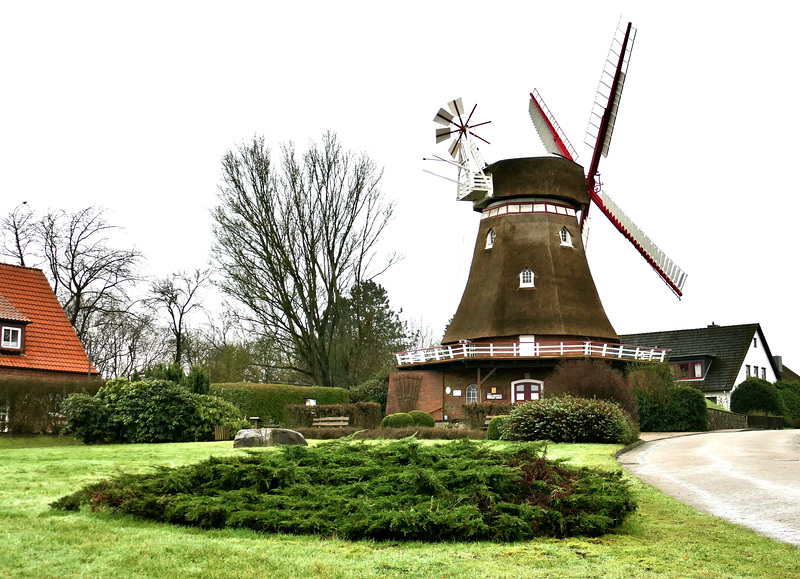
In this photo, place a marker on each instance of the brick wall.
(433, 399)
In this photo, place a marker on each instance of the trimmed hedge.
(418, 432)
(422, 419)
(476, 412)
(398, 420)
(497, 426)
(362, 414)
(34, 406)
(571, 419)
(269, 401)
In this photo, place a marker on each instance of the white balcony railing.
(576, 349)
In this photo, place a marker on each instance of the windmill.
(530, 300)
(529, 279)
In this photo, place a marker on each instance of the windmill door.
(526, 390)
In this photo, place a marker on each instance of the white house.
(715, 359)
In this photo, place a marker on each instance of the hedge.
(476, 412)
(269, 401)
(34, 405)
(362, 414)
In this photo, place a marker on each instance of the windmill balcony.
(507, 350)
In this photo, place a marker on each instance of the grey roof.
(725, 346)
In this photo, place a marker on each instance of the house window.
(526, 390)
(526, 278)
(755, 342)
(688, 370)
(747, 370)
(12, 338)
(566, 238)
(763, 373)
(490, 239)
(472, 393)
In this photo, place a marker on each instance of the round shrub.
(497, 426)
(398, 420)
(571, 419)
(422, 418)
(756, 394)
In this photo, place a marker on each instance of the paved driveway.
(751, 478)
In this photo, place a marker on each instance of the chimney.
(778, 362)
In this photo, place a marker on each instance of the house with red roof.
(37, 339)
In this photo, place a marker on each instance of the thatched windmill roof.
(563, 304)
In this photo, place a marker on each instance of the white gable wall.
(756, 357)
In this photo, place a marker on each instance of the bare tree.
(120, 342)
(291, 240)
(88, 275)
(19, 232)
(178, 294)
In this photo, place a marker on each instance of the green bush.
(756, 394)
(362, 414)
(34, 406)
(398, 420)
(148, 411)
(376, 389)
(422, 418)
(664, 404)
(418, 432)
(591, 379)
(496, 428)
(462, 491)
(571, 419)
(269, 401)
(789, 393)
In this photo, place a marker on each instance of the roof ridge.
(15, 266)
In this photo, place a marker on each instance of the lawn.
(663, 539)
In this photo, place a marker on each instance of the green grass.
(662, 539)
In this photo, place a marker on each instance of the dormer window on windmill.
(490, 239)
(566, 238)
(526, 278)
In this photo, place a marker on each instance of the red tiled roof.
(8, 313)
(50, 341)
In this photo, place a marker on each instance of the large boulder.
(267, 437)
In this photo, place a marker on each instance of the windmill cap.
(554, 177)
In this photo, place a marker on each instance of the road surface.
(751, 478)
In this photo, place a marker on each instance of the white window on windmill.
(490, 239)
(566, 238)
(526, 278)
(472, 393)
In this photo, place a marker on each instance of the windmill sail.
(672, 275)
(553, 138)
(609, 93)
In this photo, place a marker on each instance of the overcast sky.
(131, 106)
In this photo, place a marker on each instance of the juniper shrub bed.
(393, 491)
